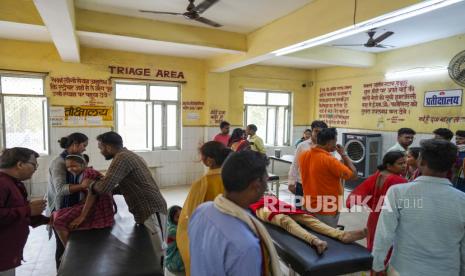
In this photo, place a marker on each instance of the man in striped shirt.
(130, 173)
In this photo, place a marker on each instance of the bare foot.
(351, 236)
(320, 246)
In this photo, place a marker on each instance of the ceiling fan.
(373, 42)
(193, 12)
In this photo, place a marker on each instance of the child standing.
(93, 212)
(173, 260)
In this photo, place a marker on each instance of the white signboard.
(443, 98)
(193, 116)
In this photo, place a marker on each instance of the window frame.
(45, 108)
(150, 104)
(287, 123)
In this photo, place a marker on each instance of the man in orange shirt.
(321, 176)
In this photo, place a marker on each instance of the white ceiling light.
(411, 11)
(416, 72)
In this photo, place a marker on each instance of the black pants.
(299, 191)
(59, 250)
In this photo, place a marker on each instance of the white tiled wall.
(173, 167)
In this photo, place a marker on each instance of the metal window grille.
(147, 123)
(24, 112)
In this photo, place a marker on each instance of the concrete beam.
(58, 16)
(113, 24)
(337, 56)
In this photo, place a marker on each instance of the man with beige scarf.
(225, 238)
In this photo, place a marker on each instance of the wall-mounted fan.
(193, 12)
(457, 68)
(372, 41)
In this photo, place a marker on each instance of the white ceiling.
(242, 16)
(438, 24)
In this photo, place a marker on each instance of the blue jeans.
(460, 184)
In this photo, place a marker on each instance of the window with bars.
(270, 112)
(24, 112)
(148, 115)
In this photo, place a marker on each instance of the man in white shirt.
(294, 179)
(425, 223)
(405, 138)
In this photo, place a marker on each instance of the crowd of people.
(408, 181)
(78, 197)
(414, 195)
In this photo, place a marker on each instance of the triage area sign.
(451, 97)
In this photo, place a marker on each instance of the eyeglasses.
(35, 164)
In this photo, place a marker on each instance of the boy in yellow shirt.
(256, 143)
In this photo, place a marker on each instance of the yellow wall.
(436, 53)
(221, 91)
(217, 95)
(224, 91)
(270, 78)
(21, 11)
(42, 57)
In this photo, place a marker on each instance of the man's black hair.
(111, 138)
(224, 124)
(405, 130)
(252, 127)
(439, 155)
(242, 168)
(326, 135)
(445, 133)
(460, 133)
(318, 124)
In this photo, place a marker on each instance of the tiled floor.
(40, 251)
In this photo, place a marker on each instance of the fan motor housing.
(364, 150)
(457, 68)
